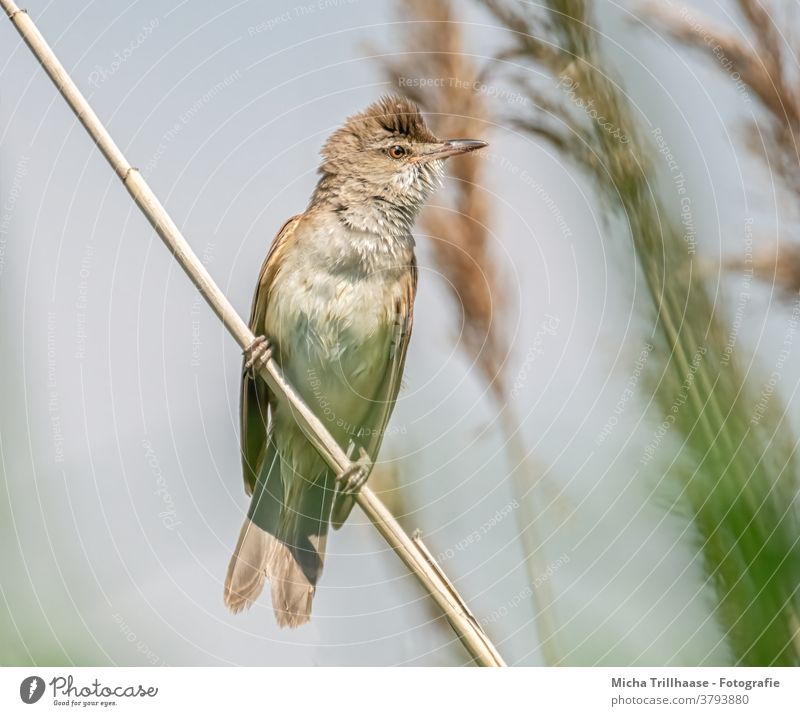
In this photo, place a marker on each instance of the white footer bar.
(354, 691)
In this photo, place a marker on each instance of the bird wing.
(386, 395)
(255, 395)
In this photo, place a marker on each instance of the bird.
(333, 307)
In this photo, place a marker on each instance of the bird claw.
(257, 353)
(354, 478)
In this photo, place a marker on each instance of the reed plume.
(435, 48)
(762, 64)
(460, 231)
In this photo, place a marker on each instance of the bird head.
(386, 153)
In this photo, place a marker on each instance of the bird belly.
(333, 340)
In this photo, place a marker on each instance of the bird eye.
(397, 151)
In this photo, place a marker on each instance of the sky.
(119, 421)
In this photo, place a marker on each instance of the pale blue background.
(94, 573)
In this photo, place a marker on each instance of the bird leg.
(353, 479)
(257, 353)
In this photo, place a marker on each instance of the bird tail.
(282, 540)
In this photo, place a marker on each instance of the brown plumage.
(335, 300)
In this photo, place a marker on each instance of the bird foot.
(257, 353)
(354, 478)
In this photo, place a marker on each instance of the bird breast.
(332, 317)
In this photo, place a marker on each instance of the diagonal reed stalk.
(414, 555)
(437, 71)
(741, 485)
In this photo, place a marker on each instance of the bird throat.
(388, 211)
(379, 217)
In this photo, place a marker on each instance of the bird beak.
(451, 147)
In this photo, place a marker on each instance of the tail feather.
(257, 541)
(247, 568)
(296, 566)
(292, 590)
(282, 540)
